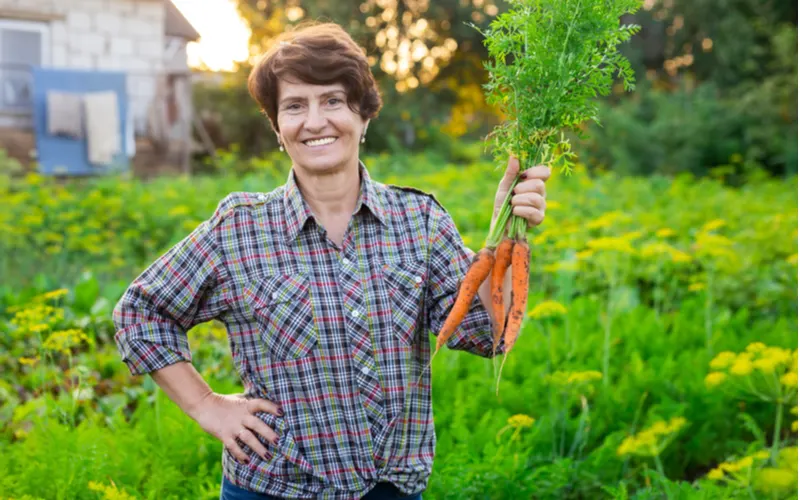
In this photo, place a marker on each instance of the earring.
(280, 146)
(363, 139)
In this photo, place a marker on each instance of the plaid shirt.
(337, 336)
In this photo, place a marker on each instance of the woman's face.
(318, 129)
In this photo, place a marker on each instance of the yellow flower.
(651, 441)
(606, 220)
(611, 243)
(696, 287)
(713, 224)
(778, 355)
(756, 347)
(521, 421)
(792, 259)
(742, 367)
(771, 480)
(561, 266)
(766, 365)
(714, 379)
(722, 360)
(789, 379)
(679, 257)
(64, 340)
(715, 474)
(54, 294)
(664, 233)
(28, 361)
(585, 254)
(761, 455)
(547, 309)
(572, 379)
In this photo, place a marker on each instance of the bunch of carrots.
(503, 249)
(549, 60)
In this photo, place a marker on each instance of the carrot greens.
(549, 59)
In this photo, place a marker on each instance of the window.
(23, 45)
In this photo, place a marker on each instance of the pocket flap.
(406, 274)
(277, 289)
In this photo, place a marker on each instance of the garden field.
(658, 358)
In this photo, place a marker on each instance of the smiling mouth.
(320, 142)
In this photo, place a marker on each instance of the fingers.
(534, 216)
(531, 186)
(250, 439)
(247, 435)
(257, 405)
(234, 449)
(538, 172)
(256, 425)
(529, 199)
(510, 175)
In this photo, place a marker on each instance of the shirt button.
(261, 197)
(365, 370)
(417, 279)
(345, 262)
(355, 313)
(274, 295)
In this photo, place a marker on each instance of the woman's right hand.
(231, 419)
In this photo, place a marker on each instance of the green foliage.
(549, 60)
(655, 275)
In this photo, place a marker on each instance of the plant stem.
(709, 304)
(776, 435)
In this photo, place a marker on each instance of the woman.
(328, 286)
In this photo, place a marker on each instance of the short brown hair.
(318, 54)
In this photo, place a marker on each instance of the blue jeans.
(382, 491)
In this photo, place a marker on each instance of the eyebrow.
(324, 94)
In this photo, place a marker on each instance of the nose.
(315, 120)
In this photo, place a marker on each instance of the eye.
(293, 106)
(334, 100)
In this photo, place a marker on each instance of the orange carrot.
(476, 274)
(520, 274)
(502, 259)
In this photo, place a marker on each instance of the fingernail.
(280, 412)
(524, 174)
(275, 441)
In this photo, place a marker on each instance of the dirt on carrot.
(502, 259)
(478, 270)
(520, 275)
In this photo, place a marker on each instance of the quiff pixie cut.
(318, 54)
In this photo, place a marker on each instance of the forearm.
(183, 385)
(485, 293)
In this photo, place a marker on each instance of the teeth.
(320, 142)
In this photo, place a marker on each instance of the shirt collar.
(298, 211)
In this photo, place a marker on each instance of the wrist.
(196, 409)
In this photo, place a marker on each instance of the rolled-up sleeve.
(449, 260)
(186, 286)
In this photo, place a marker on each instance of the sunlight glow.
(225, 35)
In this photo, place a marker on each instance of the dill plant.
(549, 59)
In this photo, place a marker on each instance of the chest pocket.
(404, 282)
(282, 307)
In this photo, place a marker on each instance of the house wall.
(117, 35)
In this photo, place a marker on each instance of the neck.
(331, 194)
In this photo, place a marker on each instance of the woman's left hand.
(529, 196)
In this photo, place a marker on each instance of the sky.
(224, 35)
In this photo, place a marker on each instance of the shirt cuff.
(147, 347)
(474, 334)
